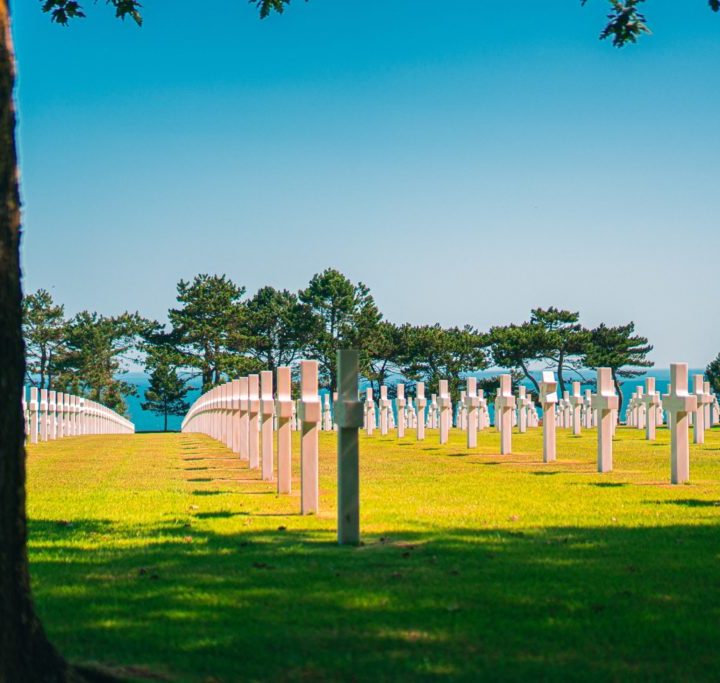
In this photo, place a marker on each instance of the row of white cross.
(591, 410)
(244, 413)
(55, 415)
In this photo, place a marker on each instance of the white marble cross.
(504, 406)
(444, 403)
(284, 412)
(548, 399)
(310, 416)
(472, 404)
(605, 402)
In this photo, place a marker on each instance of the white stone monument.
(400, 405)
(267, 408)
(284, 412)
(472, 406)
(444, 403)
(420, 403)
(310, 416)
(504, 407)
(254, 421)
(606, 402)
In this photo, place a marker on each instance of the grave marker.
(605, 402)
(284, 411)
(310, 416)
(349, 417)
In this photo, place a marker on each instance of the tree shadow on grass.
(691, 502)
(614, 603)
(607, 484)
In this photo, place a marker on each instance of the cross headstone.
(267, 407)
(43, 409)
(327, 414)
(444, 403)
(369, 411)
(522, 409)
(310, 416)
(384, 410)
(244, 421)
(472, 405)
(400, 405)
(651, 399)
(420, 403)
(34, 415)
(284, 412)
(605, 402)
(504, 406)
(679, 404)
(548, 400)
(702, 400)
(433, 412)
(349, 417)
(253, 422)
(640, 403)
(576, 401)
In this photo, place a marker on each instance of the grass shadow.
(470, 603)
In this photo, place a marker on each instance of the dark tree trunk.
(531, 378)
(619, 392)
(561, 380)
(26, 655)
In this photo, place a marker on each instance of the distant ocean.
(146, 421)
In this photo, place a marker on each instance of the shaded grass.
(480, 566)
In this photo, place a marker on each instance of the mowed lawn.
(163, 556)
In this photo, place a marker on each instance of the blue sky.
(468, 160)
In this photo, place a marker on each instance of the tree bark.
(26, 654)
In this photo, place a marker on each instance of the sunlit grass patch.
(164, 553)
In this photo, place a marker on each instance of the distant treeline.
(216, 332)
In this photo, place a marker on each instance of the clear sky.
(467, 160)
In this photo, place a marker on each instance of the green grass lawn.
(163, 555)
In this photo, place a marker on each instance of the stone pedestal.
(605, 402)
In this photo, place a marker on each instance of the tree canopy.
(626, 23)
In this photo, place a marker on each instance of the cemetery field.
(163, 557)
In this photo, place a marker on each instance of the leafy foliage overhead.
(626, 23)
